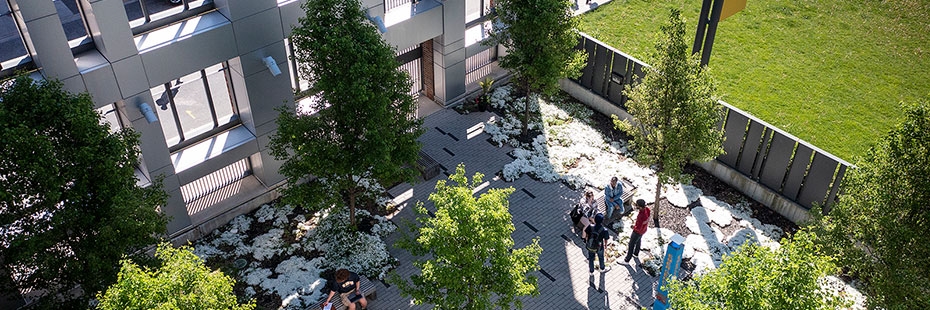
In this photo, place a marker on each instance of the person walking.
(596, 242)
(639, 229)
(346, 283)
(613, 196)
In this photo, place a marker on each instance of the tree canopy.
(70, 207)
(361, 122)
(674, 108)
(756, 277)
(878, 229)
(181, 282)
(471, 262)
(540, 38)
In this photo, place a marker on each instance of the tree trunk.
(526, 115)
(352, 194)
(655, 213)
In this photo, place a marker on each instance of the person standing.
(596, 242)
(639, 229)
(346, 283)
(613, 196)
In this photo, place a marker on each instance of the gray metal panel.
(802, 157)
(776, 163)
(258, 30)
(588, 70)
(418, 29)
(189, 54)
(766, 140)
(290, 13)
(735, 129)
(616, 80)
(106, 22)
(837, 183)
(818, 180)
(238, 9)
(750, 148)
(601, 63)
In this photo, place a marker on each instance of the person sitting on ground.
(346, 283)
(613, 193)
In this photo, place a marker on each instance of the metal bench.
(364, 285)
(429, 167)
(628, 191)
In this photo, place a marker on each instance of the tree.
(878, 228)
(675, 110)
(69, 204)
(472, 258)
(540, 38)
(365, 126)
(756, 277)
(181, 282)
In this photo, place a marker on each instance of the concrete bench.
(364, 285)
(429, 167)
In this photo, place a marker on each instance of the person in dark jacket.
(346, 283)
(600, 235)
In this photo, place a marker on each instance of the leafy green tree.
(472, 262)
(365, 124)
(69, 204)
(675, 110)
(182, 282)
(879, 227)
(540, 38)
(756, 277)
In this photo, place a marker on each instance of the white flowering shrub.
(354, 250)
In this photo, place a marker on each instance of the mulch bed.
(673, 218)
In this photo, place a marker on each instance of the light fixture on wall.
(377, 21)
(147, 111)
(272, 65)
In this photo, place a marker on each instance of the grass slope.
(831, 72)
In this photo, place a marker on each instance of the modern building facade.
(206, 69)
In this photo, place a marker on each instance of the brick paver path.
(539, 209)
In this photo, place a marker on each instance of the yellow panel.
(730, 7)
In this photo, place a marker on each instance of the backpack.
(594, 239)
(576, 214)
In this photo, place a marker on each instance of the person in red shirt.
(639, 229)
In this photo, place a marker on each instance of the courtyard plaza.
(539, 210)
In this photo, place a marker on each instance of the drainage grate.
(448, 151)
(453, 137)
(440, 130)
(530, 226)
(528, 193)
(546, 274)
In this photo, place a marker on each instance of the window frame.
(218, 128)
(148, 24)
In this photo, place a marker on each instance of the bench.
(629, 190)
(364, 285)
(429, 167)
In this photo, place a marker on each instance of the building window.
(146, 15)
(196, 106)
(479, 65)
(303, 95)
(72, 20)
(476, 9)
(111, 117)
(12, 49)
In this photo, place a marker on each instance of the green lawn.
(832, 72)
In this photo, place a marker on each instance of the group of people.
(595, 233)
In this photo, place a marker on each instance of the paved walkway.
(539, 209)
